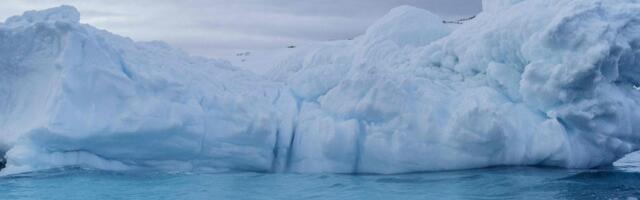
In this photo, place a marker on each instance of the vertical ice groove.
(276, 152)
(290, 152)
(359, 145)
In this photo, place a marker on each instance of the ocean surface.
(617, 182)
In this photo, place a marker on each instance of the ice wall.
(533, 82)
(71, 94)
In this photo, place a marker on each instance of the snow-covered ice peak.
(407, 25)
(63, 13)
(497, 5)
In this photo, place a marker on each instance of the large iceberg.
(527, 82)
(71, 94)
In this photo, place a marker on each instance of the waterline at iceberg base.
(485, 183)
(526, 83)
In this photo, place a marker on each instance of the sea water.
(492, 183)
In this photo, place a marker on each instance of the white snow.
(497, 5)
(533, 82)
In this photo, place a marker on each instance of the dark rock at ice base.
(3, 163)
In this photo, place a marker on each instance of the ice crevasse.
(527, 82)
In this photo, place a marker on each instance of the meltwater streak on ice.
(534, 82)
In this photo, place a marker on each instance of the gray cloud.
(220, 27)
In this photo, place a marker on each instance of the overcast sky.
(221, 27)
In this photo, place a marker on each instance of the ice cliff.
(71, 94)
(530, 82)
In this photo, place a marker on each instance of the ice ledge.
(63, 13)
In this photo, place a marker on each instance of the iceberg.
(526, 82)
(71, 94)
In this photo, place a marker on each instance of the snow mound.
(497, 5)
(406, 25)
(532, 82)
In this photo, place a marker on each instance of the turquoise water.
(492, 183)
